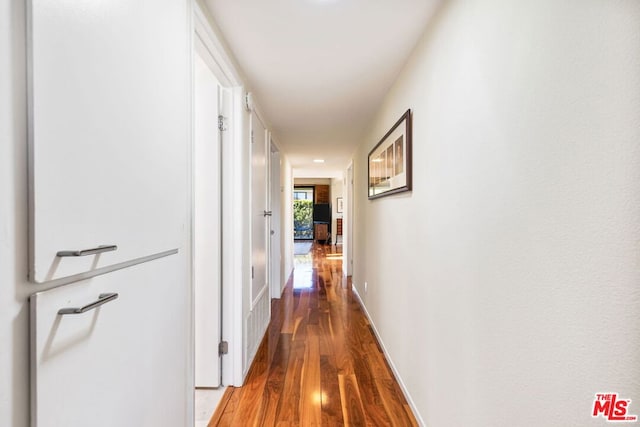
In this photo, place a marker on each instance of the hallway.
(319, 363)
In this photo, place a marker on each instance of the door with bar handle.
(93, 360)
(85, 252)
(102, 299)
(107, 146)
(259, 208)
(109, 134)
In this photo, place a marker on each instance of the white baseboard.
(396, 374)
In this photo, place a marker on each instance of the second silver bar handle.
(102, 299)
(91, 251)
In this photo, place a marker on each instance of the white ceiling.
(318, 69)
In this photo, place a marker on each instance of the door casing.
(233, 172)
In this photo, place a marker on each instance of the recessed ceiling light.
(318, 160)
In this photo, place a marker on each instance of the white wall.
(505, 286)
(286, 172)
(14, 288)
(312, 181)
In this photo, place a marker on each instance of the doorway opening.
(303, 198)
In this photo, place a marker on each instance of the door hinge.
(252, 271)
(223, 348)
(222, 123)
(252, 140)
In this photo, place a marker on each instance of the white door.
(206, 226)
(120, 364)
(347, 260)
(110, 127)
(259, 211)
(275, 252)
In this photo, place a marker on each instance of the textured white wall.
(506, 286)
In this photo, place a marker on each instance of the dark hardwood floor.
(319, 363)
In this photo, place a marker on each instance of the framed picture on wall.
(339, 204)
(389, 162)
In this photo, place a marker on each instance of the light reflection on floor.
(303, 267)
(303, 272)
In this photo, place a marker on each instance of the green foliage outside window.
(303, 219)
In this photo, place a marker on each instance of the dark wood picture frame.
(389, 163)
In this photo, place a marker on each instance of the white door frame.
(233, 173)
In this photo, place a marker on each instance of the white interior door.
(275, 252)
(109, 125)
(120, 364)
(347, 260)
(207, 222)
(259, 211)
(109, 117)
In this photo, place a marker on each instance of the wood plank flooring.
(319, 363)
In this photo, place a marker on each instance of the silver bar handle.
(85, 252)
(102, 299)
